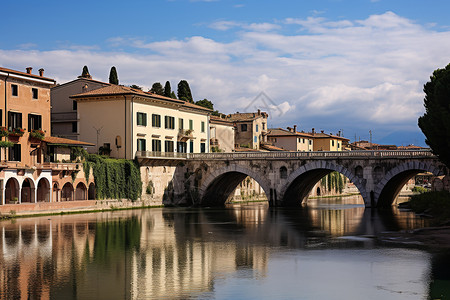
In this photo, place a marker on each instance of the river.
(248, 251)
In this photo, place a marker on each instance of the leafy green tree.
(113, 78)
(85, 72)
(167, 89)
(157, 89)
(435, 123)
(184, 91)
(134, 86)
(205, 103)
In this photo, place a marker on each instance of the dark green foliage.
(77, 153)
(157, 89)
(167, 90)
(205, 103)
(136, 87)
(184, 91)
(85, 72)
(436, 204)
(172, 95)
(113, 78)
(435, 123)
(114, 178)
(329, 182)
(340, 183)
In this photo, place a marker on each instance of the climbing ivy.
(114, 178)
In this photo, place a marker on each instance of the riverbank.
(429, 237)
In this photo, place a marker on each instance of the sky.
(355, 66)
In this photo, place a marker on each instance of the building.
(30, 165)
(221, 134)
(290, 139)
(64, 116)
(124, 122)
(251, 129)
(327, 142)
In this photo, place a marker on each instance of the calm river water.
(326, 251)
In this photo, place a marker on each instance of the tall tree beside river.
(435, 123)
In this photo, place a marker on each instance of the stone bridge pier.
(288, 177)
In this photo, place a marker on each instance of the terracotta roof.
(26, 74)
(81, 78)
(271, 148)
(58, 140)
(218, 120)
(243, 117)
(284, 132)
(245, 150)
(411, 147)
(322, 135)
(191, 105)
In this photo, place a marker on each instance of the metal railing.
(290, 155)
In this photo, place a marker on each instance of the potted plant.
(37, 134)
(17, 132)
(4, 131)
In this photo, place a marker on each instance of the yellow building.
(327, 142)
(290, 139)
(251, 129)
(125, 122)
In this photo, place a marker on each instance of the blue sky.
(332, 65)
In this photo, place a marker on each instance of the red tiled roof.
(26, 74)
(271, 148)
(58, 140)
(218, 120)
(282, 132)
(245, 117)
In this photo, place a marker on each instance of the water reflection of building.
(176, 254)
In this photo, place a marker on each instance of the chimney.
(259, 112)
(295, 128)
(339, 133)
(29, 70)
(41, 72)
(313, 131)
(321, 131)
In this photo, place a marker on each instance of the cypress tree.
(85, 72)
(157, 89)
(184, 91)
(167, 89)
(172, 95)
(113, 78)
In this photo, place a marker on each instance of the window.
(203, 126)
(14, 120)
(310, 142)
(202, 147)
(14, 90)
(74, 127)
(339, 145)
(332, 143)
(191, 146)
(156, 145)
(34, 91)
(255, 139)
(191, 125)
(257, 128)
(141, 145)
(74, 105)
(182, 147)
(15, 152)
(34, 122)
(180, 124)
(141, 119)
(169, 122)
(156, 120)
(263, 126)
(243, 127)
(168, 146)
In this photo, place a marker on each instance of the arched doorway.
(67, 192)
(27, 192)
(55, 193)
(91, 191)
(318, 191)
(12, 191)
(43, 190)
(80, 192)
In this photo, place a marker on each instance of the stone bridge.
(288, 177)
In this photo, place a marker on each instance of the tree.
(435, 123)
(85, 72)
(157, 89)
(136, 87)
(184, 91)
(172, 95)
(113, 78)
(205, 103)
(167, 89)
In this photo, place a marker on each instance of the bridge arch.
(300, 182)
(391, 184)
(219, 185)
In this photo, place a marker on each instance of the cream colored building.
(127, 122)
(65, 122)
(221, 134)
(328, 142)
(290, 139)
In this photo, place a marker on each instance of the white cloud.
(366, 72)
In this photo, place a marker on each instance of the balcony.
(214, 142)
(60, 166)
(184, 135)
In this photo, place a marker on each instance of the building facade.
(125, 122)
(221, 134)
(64, 117)
(290, 139)
(251, 129)
(328, 142)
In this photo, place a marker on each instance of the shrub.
(436, 204)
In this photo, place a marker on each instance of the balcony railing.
(290, 155)
(60, 166)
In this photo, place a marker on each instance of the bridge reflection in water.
(179, 253)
